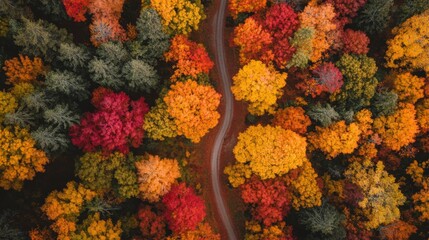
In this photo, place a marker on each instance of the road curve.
(218, 28)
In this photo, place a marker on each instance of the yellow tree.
(338, 138)
(399, 129)
(194, 108)
(96, 228)
(423, 115)
(158, 123)
(267, 152)
(409, 87)
(259, 85)
(302, 183)
(20, 160)
(179, 16)
(321, 19)
(156, 176)
(420, 199)
(409, 48)
(381, 194)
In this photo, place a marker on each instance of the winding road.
(218, 29)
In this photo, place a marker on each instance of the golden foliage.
(194, 108)
(245, 6)
(268, 151)
(156, 176)
(423, 115)
(303, 186)
(203, 231)
(409, 87)
(8, 104)
(381, 193)
(409, 48)
(338, 138)
(398, 129)
(158, 123)
(23, 69)
(259, 85)
(94, 228)
(20, 160)
(179, 16)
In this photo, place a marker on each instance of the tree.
(292, 118)
(421, 202)
(269, 199)
(329, 77)
(267, 152)
(191, 58)
(156, 176)
(321, 19)
(381, 193)
(398, 230)
(20, 160)
(347, 9)
(259, 85)
(96, 228)
(302, 42)
(152, 41)
(338, 138)
(65, 207)
(236, 7)
(8, 104)
(73, 56)
(399, 129)
(410, 8)
(254, 231)
(359, 81)
(23, 69)
(203, 231)
(375, 15)
(324, 220)
(140, 76)
(117, 124)
(384, 103)
(76, 9)
(409, 47)
(422, 115)
(326, 115)
(355, 42)
(51, 139)
(408, 87)
(159, 125)
(193, 108)
(67, 84)
(254, 41)
(179, 16)
(41, 39)
(7, 231)
(103, 174)
(184, 210)
(151, 224)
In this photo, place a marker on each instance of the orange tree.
(423, 115)
(156, 176)
(408, 87)
(245, 6)
(409, 47)
(267, 152)
(292, 118)
(193, 107)
(398, 129)
(259, 85)
(23, 69)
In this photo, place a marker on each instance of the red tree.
(329, 77)
(270, 199)
(355, 42)
(151, 225)
(76, 9)
(116, 124)
(184, 209)
(346, 9)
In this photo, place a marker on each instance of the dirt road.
(218, 33)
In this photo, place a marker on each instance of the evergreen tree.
(105, 73)
(374, 16)
(140, 76)
(37, 101)
(72, 56)
(410, 8)
(8, 232)
(51, 139)
(68, 84)
(21, 117)
(61, 116)
(384, 103)
(113, 53)
(325, 115)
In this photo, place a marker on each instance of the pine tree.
(51, 139)
(113, 53)
(39, 38)
(140, 76)
(68, 84)
(61, 116)
(325, 115)
(37, 101)
(375, 15)
(105, 73)
(384, 103)
(6, 230)
(73, 56)
(21, 117)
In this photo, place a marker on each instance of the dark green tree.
(384, 103)
(375, 15)
(325, 115)
(410, 8)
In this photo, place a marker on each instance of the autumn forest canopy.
(110, 110)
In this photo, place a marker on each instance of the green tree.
(73, 57)
(61, 116)
(374, 16)
(140, 76)
(51, 139)
(410, 8)
(384, 103)
(67, 84)
(302, 40)
(325, 115)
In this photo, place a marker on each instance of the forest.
(111, 112)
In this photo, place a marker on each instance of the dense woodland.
(104, 104)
